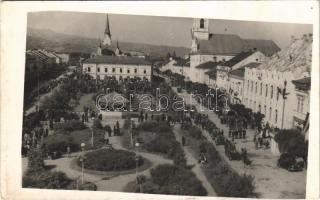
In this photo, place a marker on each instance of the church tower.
(200, 29)
(107, 34)
(99, 49)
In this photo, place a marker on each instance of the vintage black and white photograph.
(166, 105)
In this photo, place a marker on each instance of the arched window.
(260, 88)
(270, 113)
(201, 23)
(276, 117)
(271, 91)
(256, 87)
(266, 90)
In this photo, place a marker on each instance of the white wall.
(196, 75)
(127, 70)
(269, 104)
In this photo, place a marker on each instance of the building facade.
(264, 93)
(102, 67)
(109, 61)
(206, 46)
(302, 107)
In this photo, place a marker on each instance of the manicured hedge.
(110, 160)
(59, 143)
(222, 177)
(172, 179)
(46, 180)
(165, 143)
(69, 125)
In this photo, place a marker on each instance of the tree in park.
(35, 160)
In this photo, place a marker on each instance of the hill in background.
(59, 42)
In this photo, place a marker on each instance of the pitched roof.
(251, 65)
(233, 44)
(107, 30)
(296, 59)
(238, 72)
(267, 47)
(212, 73)
(125, 60)
(239, 57)
(303, 83)
(208, 65)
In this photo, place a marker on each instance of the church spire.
(107, 34)
(107, 30)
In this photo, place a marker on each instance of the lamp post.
(284, 96)
(82, 161)
(137, 164)
(91, 136)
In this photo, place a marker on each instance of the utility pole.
(284, 96)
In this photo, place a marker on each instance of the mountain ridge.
(60, 42)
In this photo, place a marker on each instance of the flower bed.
(110, 160)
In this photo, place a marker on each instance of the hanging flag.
(305, 128)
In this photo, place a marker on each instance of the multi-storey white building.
(236, 62)
(178, 66)
(110, 61)
(269, 89)
(235, 84)
(119, 67)
(302, 107)
(213, 47)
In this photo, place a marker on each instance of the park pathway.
(191, 160)
(270, 180)
(107, 182)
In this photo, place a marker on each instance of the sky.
(159, 30)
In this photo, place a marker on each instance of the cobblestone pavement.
(270, 180)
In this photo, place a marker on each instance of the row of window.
(114, 70)
(264, 111)
(258, 88)
(300, 104)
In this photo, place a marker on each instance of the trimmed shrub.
(46, 180)
(111, 160)
(59, 143)
(97, 123)
(195, 132)
(149, 125)
(292, 141)
(35, 160)
(71, 125)
(176, 180)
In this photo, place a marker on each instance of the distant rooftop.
(232, 44)
(251, 65)
(125, 60)
(303, 83)
(208, 65)
(296, 58)
(239, 57)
